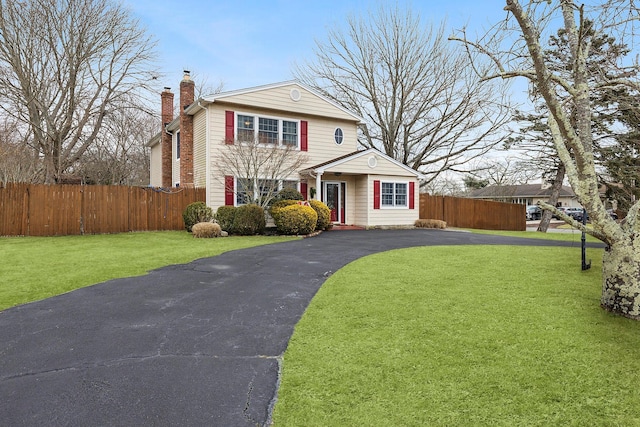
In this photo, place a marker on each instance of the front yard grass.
(35, 268)
(462, 336)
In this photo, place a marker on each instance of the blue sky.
(249, 43)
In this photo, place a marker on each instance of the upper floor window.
(246, 130)
(289, 133)
(394, 194)
(338, 136)
(269, 130)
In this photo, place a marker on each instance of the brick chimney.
(167, 116)
(186, 131)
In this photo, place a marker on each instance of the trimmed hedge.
(225, 216)
(275, 208)
(196, 212)
(324, 214)
(288, 194)
(295, 219)
(249, 220)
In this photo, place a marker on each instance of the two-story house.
(361, 187)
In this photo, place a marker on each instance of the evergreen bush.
(324, 214)
(288, 194)
(196, 212)
(225, 216)
(249, 220)
(295, 219)
(278, 205)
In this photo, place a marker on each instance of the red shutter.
(304, 144)
(376, 194)
(228, 191)
(303, 190)
(229, 128)
(412, 194)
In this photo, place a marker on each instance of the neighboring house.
(527, 194)
(365, 188)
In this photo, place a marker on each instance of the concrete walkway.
(198, 344)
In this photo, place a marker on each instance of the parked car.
(533, 213)
(561, 209)
(573, 212)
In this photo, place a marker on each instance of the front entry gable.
(364, 162)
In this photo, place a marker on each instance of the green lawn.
(34, 268)
(462, 336)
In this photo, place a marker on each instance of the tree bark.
(621, 278)
(553, 199)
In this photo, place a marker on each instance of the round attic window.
(372, 162)
(295, 95)
(338, 136)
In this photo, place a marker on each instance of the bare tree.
(64, 67)
(120, 156)
(18, 161)
(570, 119)
(422, 101)
(261, 169)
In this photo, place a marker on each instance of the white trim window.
(247, 191)
(272, 131)
(394, 194)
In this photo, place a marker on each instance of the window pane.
(246, 130)
(338, 136)
(387, 194)
(290, 133)
(268, 130)
(290, 184)
(244, 192)
(401, 194)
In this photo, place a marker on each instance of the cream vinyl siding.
(155, 165)
(321, 145)
(382, 167)
(362, 206)
(199, 149)
(279, 98)
(175, 169)
(392, 216)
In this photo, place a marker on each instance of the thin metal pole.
(585, 266)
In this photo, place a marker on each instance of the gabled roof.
(525, 190)
(322, 167)
(228, 94)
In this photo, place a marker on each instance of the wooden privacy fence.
(58, 210)
(473, 213)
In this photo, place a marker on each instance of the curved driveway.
(197, 344)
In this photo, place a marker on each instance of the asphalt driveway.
(197, 344)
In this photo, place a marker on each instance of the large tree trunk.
(621, 278)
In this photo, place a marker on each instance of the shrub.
(278, 205)
(196, 212)
(249, 220)
(206, 229)
(288, 194)
(430, 223)
(324, 214)
(296, 219)
(225, 216)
